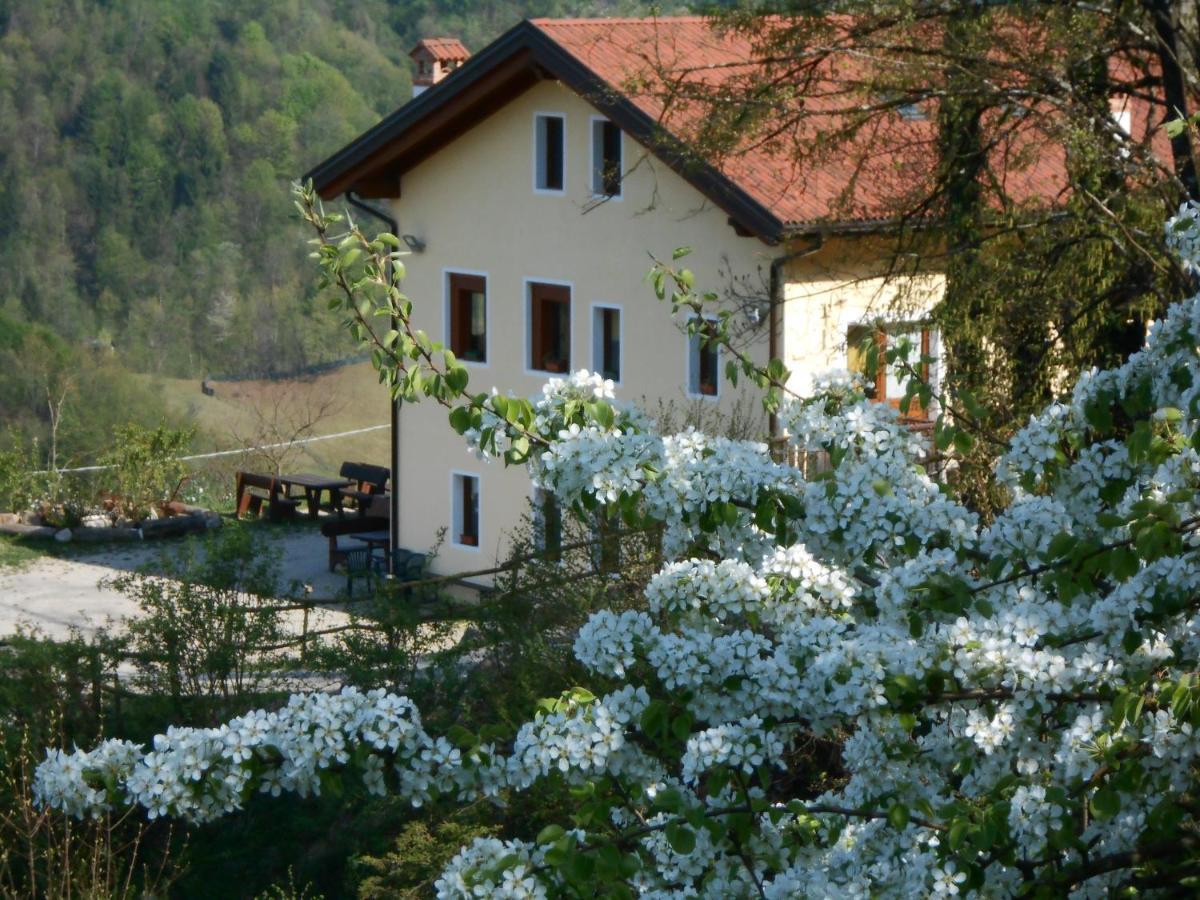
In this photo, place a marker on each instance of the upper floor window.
(704, 361)
(549, 337)
(890, 380)
(607, 162)
(550, 152)
(467, 316)
(606, 341)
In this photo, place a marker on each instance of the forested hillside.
(146, 149)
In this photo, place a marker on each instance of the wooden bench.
(253, 489)
(369, 481)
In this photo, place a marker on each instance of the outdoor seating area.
(357, 544)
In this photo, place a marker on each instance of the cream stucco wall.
(474, 206)
(841, 285)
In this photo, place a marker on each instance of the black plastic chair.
(358, 565)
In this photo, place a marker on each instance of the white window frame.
(536, 498)
(487, 314)
(527, 284)
(456, 510)
(595, 194)
(534, 157)
(598, 338)
(693, 345)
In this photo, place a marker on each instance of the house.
(535, 183)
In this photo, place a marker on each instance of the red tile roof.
(672, 68)
(448, 49)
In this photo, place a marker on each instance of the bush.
(146, 471)
(1011, 707)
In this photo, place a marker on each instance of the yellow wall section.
(842, 285)
(474, 205)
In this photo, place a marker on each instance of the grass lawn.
(246, 413)
(14, 553)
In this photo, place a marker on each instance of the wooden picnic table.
(313, 486)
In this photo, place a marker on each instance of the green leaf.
(681, 838)
(1105, 804)
(958, 832)
(680, 252)
(898, 816)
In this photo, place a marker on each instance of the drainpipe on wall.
(394, 505)
(816, 242)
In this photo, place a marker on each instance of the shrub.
(1010, 708)
(146, 471)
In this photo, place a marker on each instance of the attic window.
(607, 163)
(550, 152)
(912, 112)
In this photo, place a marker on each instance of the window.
(607, 165)
(549, 327)
(548, 524)
(467, 316)
(550, 152)
(704, 361)
(465, 501)
(912, 112)
(890, 379)
(606, 341)
(605, 548)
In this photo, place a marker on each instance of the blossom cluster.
(1000, 695)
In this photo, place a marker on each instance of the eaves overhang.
(373, 163)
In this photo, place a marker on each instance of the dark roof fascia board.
(560, 64)
(374, 139)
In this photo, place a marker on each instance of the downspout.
(775, 316)
(394, 463)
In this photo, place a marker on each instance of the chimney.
(436, 58)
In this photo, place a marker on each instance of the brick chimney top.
(436, 58)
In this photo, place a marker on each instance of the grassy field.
(249, 413)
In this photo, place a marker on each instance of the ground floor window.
(866, 348)
(465, 501)
(704, 361)
(548, 524)
(606, 342)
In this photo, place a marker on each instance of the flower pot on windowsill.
(554, 365)
(708, 390)
(468, 540)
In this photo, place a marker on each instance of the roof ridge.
(617, 20)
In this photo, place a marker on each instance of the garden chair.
(358, 565)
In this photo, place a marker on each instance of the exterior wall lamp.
(414, 243)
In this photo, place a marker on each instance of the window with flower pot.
(704, 360)
(549, 324)
(465, 503)
(466, 313)
(867, 348)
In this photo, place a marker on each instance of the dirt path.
(55, 595)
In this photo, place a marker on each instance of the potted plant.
(469, 540)
(554, 364)
(708, 389)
